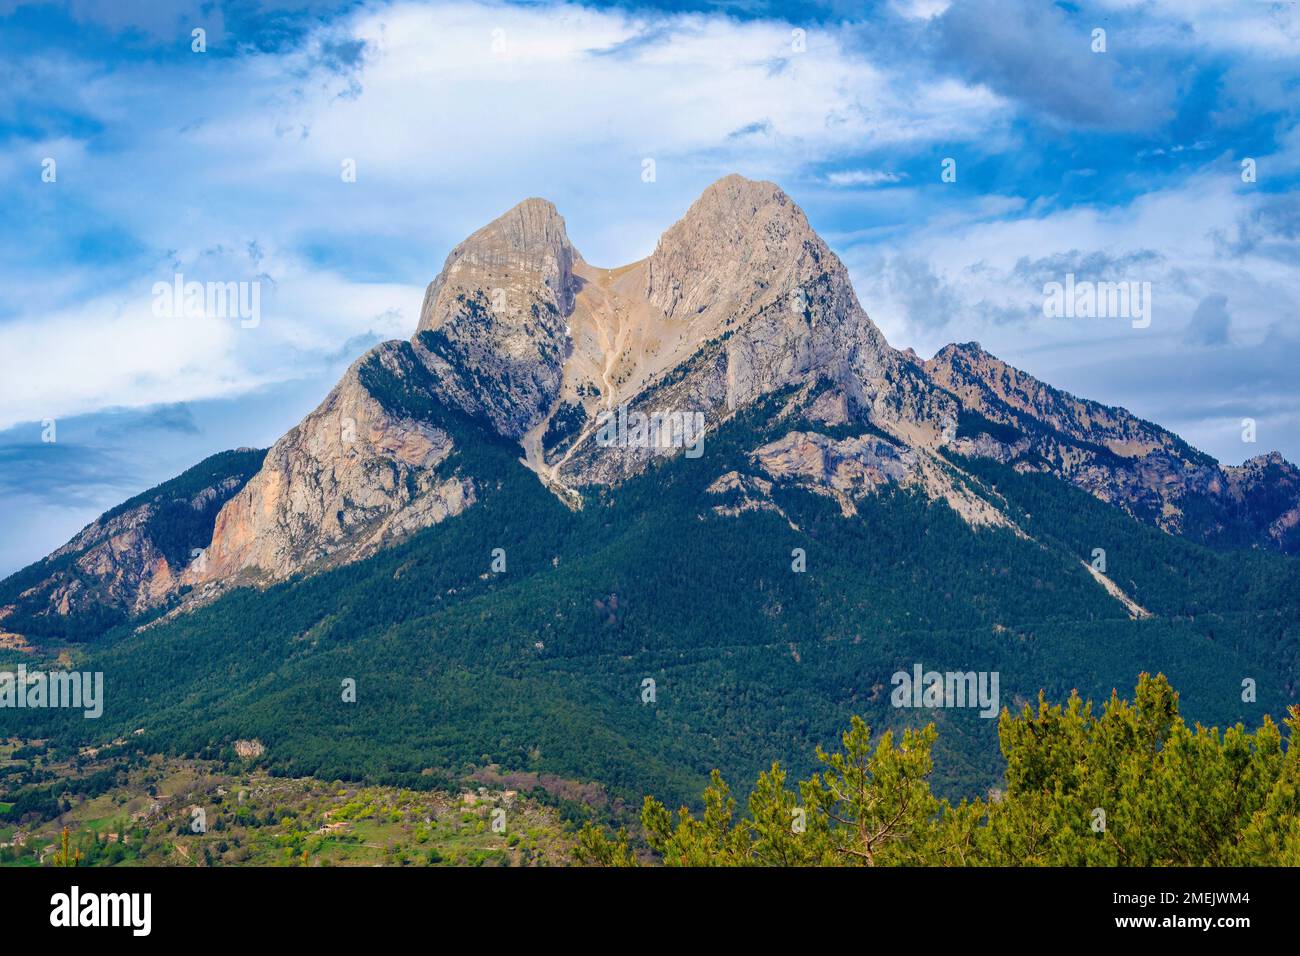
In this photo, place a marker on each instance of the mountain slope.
(129, 561)
(1141, 468)
(354, 475)
(542, 666)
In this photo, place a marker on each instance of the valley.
(119, 809)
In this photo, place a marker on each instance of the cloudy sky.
(129, 157)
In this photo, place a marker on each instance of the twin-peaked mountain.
(520, 340)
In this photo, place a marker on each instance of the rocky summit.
(595, 374)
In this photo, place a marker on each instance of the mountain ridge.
(740, 301)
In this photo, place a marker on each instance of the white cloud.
(1260, 28)
(1172, 237)
(921, 9)
(982, 279)
(113, 351)
(863, 177)
(211, 157)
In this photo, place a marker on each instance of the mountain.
(706, 469)
(128, 561)
(740, 299)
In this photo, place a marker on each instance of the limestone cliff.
(492, 327)
(353, 476)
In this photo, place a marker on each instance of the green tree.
(1133, 786)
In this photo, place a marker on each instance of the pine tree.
(1133, 786)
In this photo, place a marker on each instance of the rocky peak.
(1271, 459)
(971, 351)
(740, 243)
(740, 298)
(1266, 489)
(492, 327)
(522, 247)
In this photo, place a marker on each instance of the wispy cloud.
(863, 177)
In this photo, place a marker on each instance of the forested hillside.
(540, 666)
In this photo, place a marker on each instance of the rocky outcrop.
(249, 749)
(851, 465)
(353, 476)
(739, 493)
(850, 469)
(492, 327)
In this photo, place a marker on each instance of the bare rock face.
(740, 247)
(850, 469)
(744, 264)
(850, 465)
(249, 749)
(117, 560)
(736, 493)
(740, 299)
(352, 477)
(492, 327)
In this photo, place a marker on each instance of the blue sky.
(225, 165)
